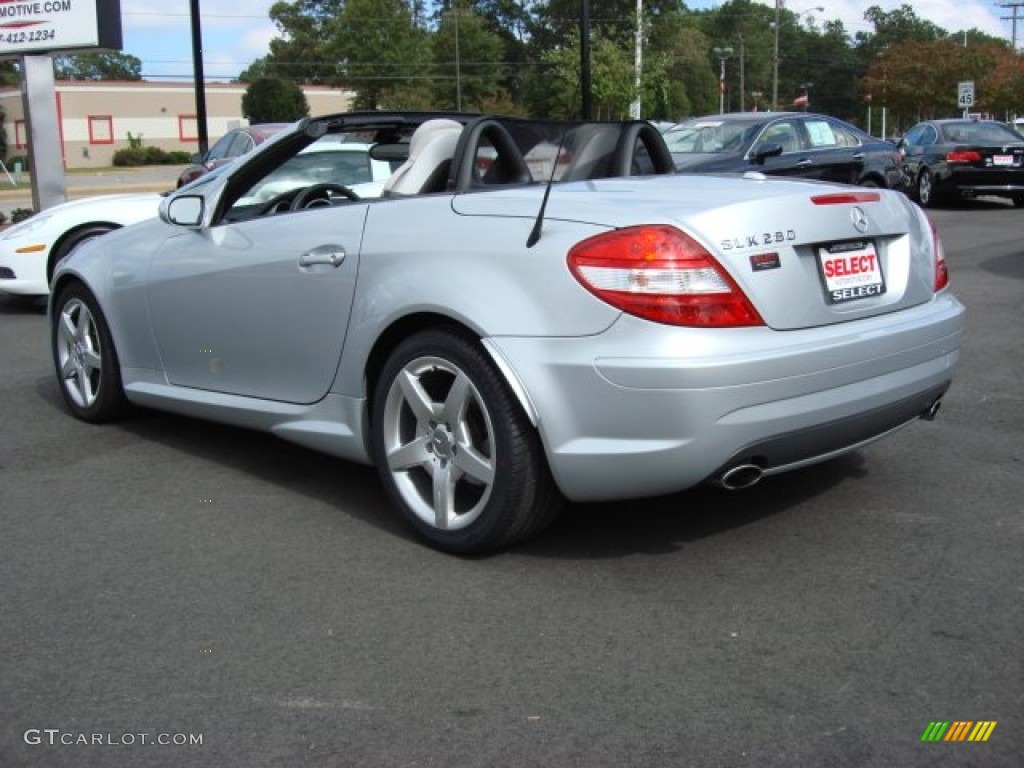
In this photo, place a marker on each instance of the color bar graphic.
(958, 730)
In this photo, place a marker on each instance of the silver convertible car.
(527, 312)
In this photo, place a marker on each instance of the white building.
(96, 117)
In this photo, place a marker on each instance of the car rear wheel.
(454, 448)
(1018, 201)
(925, 188)
(84, 358)
(71, 242)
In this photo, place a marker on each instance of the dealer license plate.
(851, 271)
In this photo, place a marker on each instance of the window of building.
(188, 128)
(20, 134)
(101, 129)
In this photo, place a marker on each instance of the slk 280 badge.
(758, 241)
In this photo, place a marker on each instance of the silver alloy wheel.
(924, 188)
(79, 353)
(439, 442)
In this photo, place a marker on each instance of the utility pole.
(198, 78)
(775, 61)
(1014, 7)
(638, 61)
(743, 77)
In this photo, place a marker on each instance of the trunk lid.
(789, 245)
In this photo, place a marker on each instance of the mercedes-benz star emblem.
(859, 219)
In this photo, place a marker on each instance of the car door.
(795, 160)
(836, 152)
(916, 144)
(259, 307)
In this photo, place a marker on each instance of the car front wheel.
(454, 448)
(84, 358)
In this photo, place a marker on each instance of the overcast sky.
(235, 33)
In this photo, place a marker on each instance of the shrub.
(130, 157)
(149, 156)
(20, 214)
(155, 156)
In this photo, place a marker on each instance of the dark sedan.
(797, 144)
(232, 144)
(953, 158)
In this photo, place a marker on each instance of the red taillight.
(963, 156)
(659, 273)
(941, 273)
(846, 198)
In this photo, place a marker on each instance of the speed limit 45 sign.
(965, 94)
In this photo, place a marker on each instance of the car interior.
(460, 154)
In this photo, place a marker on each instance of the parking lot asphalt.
(166, 577)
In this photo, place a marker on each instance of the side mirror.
(183, 211)
(765, 151)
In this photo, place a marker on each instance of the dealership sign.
(42, 26)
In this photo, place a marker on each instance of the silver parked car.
(528, 312)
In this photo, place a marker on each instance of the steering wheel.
(320, 194)
(277, 204)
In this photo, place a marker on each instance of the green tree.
(273, 100)
(302, 52)
(382, 55)
(106, 65)
(467, 61)
(612, 78)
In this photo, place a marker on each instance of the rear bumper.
(644, 409)
(977, 181)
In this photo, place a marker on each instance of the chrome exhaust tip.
(932, 410)
(741, 476)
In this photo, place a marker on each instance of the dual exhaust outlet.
(747, 474)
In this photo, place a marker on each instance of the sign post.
(33, 31)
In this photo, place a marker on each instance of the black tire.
(71, 242)
(870, 184)
(1018, 201)
(84, 358)
(469, 437)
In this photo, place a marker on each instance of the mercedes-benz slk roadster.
(527, 312)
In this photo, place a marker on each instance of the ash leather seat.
(431, 150)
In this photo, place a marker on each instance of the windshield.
(970, 132)
(710, 136)
(326, 161)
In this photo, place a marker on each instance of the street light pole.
(722, 54)
(775, 61)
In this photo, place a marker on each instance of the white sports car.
(30, 249)
(530, 312)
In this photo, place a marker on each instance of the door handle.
(858, 155)
(331, 255)
(804, 163)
